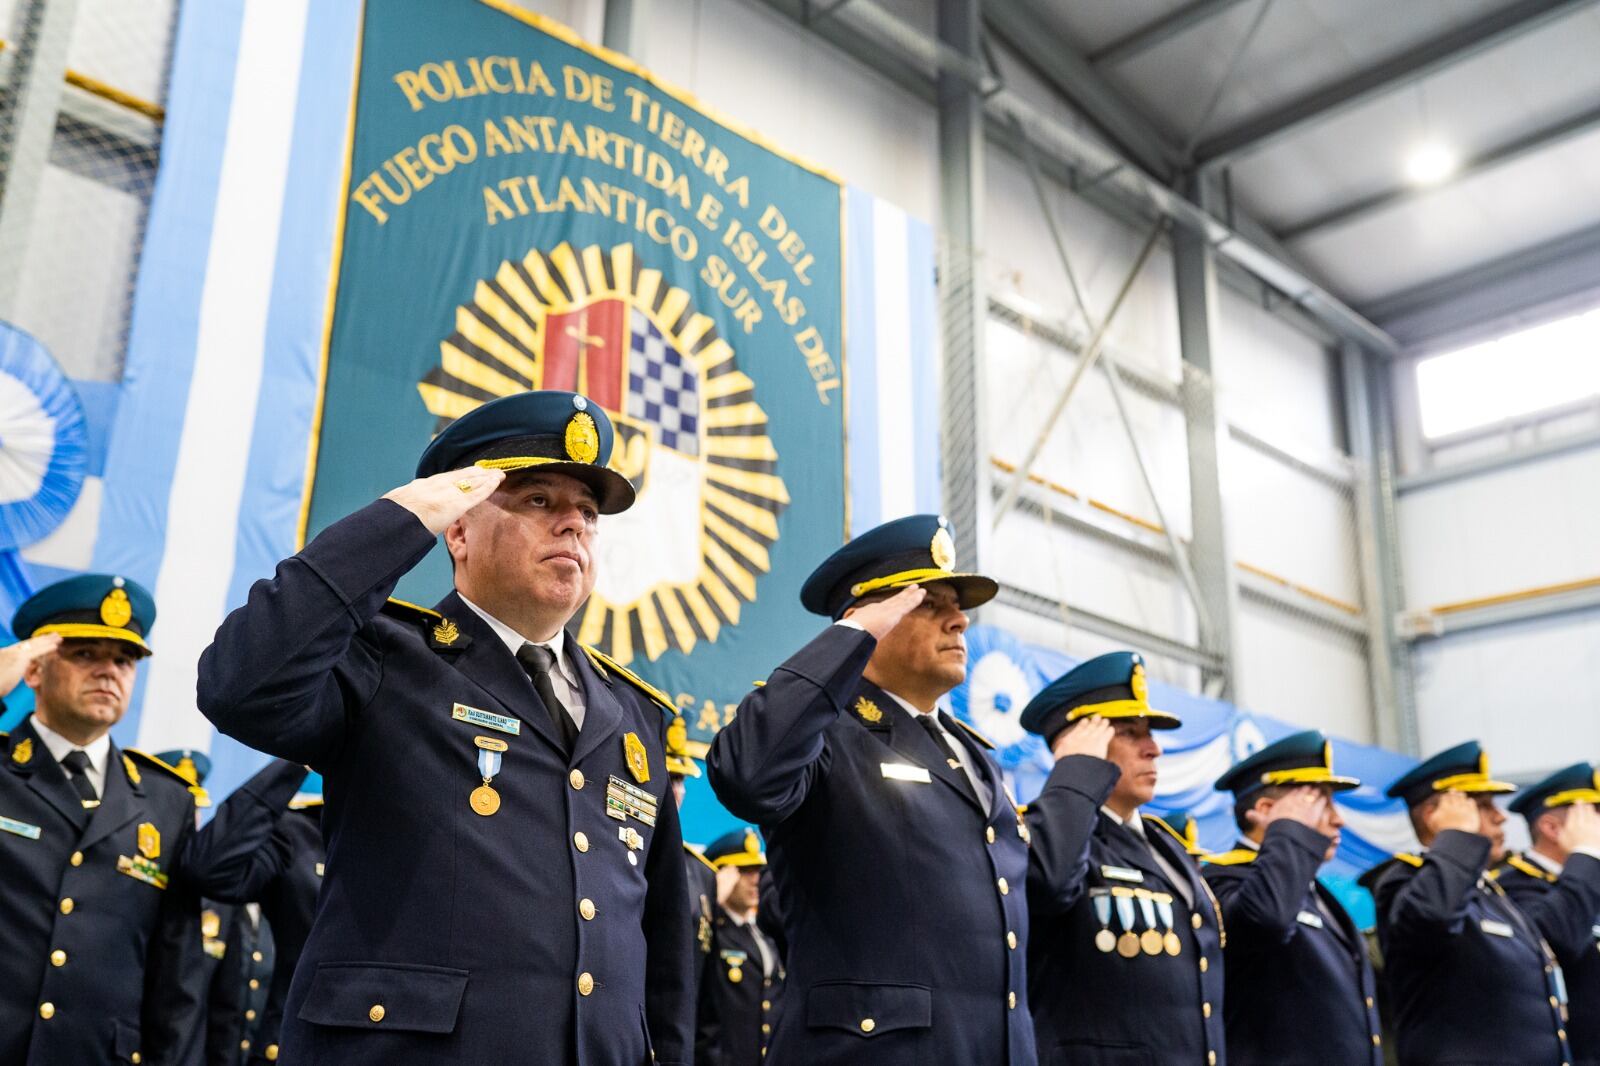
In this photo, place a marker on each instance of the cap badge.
(583, 438)
(944, 550)
(580, 402)
(678, 736)
(115, 610)
(1141, 688)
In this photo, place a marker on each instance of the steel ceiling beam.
(1494, 156)
(1159, 31)
(1381, 78)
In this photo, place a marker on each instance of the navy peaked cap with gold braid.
(1112, 685)
(89, 607)
(1299, 759)
(741, 848)
(1578, 783)
(1463, 768)
(914, 550)
(549, 430)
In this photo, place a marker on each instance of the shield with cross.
(676, 569)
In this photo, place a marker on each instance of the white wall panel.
(1290, 524)
(1300, 671)
(1275, 380)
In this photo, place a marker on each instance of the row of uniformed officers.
(497, 873)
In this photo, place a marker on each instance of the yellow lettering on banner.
(823, 369)
(441, 82)
(413, 168)
(587, 87)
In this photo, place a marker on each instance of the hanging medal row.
(1143, 922)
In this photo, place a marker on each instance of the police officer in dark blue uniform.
(697, 870)
(504, 878)
(1299, 987)
(98, 926)
(1125, 959)
(1470, 977)
(743, 984)
(1562, 824)
(897, 856)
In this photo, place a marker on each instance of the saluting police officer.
(504, 877)
(1125, 960)
(897, 856)
(743, 984)
(1299, 987)
(1560, 811)
(1470, 977)
(98, 928)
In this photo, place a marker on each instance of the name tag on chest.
(904, 771)
(1311, 918)
(1122, 873)
(1494, 928)
(21, 829)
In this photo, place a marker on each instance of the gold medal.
(1173, 945)
(1150, 941)
(1127, 945)
(1105, 940)
(735, 974)
(485, 800)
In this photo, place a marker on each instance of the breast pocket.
(869, 1011)
(385, 996)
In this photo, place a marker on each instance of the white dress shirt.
(1136, 824)
(99, 751)
(563, 680)
(749, 922)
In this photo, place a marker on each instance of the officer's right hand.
(880, 616)
(1305, 805)
(441, 499)
(14, 659)
(1455, 810)
(1090, 736)
(1581, 829)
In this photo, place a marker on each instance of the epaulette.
(1370, 879)
(443, 633)
(1409, 859)
(411, 612)
(1171, 832)
(1236, 857)
(603, 663)
(1521, 865)
(973, 733)
(306, 804)
(154, 763)
(701, 857)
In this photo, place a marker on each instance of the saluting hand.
(881, 616)
(14, 659)
(1305, 805)
(1090, 736)
(1455, 810)
(1581, 829)
(441, 499)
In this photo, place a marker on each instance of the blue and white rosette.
(44, 445)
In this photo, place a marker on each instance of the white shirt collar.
(1541, 859)
(1249, 845)
(514, 640)
(98, 751)
(913, 711)
(1133, 821)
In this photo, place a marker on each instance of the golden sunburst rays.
(497, 349)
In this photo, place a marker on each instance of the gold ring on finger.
(464, 486)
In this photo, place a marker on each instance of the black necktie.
(537, 660)
(926, 721)
(77, 766)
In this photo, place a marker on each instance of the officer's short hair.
(1533, 823)
(1246, 803)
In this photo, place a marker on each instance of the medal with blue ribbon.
(1128, 942)
(1150, 939)
(485, 800)
(1169, 940)
(1105, 939)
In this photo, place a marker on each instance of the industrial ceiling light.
(1430, 163)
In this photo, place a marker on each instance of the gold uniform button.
(272, 1052)
(1369, 1001)
(576, 777)
(765, 1028)
(250, 1015)
(766, 1004)
(135, 1058)
(47, 1011)
(244, 1045)
(1011, 1001)
(1211, 1058)
(586, 908)
(255, 955)
(58, 957)
(1561, 1034)
(1005, 889)
(77, 858)
(66, 905)
(580, 841)
(988, 834)
(1376, 1040)
(585, 983)
(1205, 1010)
(376, 1012)
(1554, 1002)
(1196, 921)
(255, 984)
(1204, 964)
(868, 1025)
(1011, 941)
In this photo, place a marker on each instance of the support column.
(963, 304)
(39, 35)
(1195, 273)
(1369, 425)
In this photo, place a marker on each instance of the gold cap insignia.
(944, 549)
(1141, 689)
(583, 438)
(210, 923)
(868, 711)
(446, 632)
(752, 843)
(638, 762)
(188, 770)
(132, 770)
(23, 752)
(678, 737)
(115, 610)
(149, 840)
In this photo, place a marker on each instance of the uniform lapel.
(911, 740)
(489, 664)
(602, 714)
(120, 803)
(986, 768)
(1180, 861)
(1128, 850)
(1344, 929)
(45, 776)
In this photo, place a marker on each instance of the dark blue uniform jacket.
(1564, 910)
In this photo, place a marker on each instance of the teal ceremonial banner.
(525, 211)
